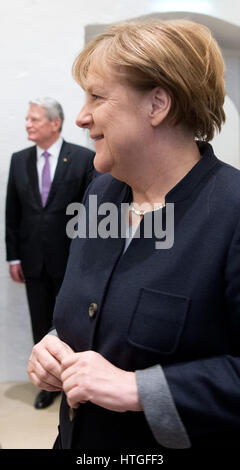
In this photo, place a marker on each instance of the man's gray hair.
(53, 109)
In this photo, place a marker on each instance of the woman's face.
(115, 115)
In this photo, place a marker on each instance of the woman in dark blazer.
(147, 352)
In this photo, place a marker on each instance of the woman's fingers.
(42, 376)
(44, 367)
(44, 385)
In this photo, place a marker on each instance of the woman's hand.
(87, 376)
(44, 367)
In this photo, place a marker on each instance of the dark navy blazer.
(36, 235)
(178, 307)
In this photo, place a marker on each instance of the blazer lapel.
(63, 164)
(33, 175)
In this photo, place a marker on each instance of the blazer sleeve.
(207, 391)
(13, 216)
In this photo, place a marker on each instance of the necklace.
(143, 212)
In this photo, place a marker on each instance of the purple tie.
(46, 178)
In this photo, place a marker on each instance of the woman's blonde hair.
(179, 56)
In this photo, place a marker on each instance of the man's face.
(39, 129)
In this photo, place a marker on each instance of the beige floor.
(21, 425)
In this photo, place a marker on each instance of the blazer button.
(92, 310)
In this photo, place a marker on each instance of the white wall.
(38, 42)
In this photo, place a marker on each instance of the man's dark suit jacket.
(36, 235)
(178, 307)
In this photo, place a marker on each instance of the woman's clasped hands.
(84, 376)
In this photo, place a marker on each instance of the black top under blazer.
(178, 307)
(36, 235)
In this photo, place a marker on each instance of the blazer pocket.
(158, 321)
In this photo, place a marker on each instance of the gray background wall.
(39, 40)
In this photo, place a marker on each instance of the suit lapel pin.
(65, 159)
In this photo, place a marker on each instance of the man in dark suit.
(43, 180)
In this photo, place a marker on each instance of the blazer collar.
(32, 174)
(193, 178)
